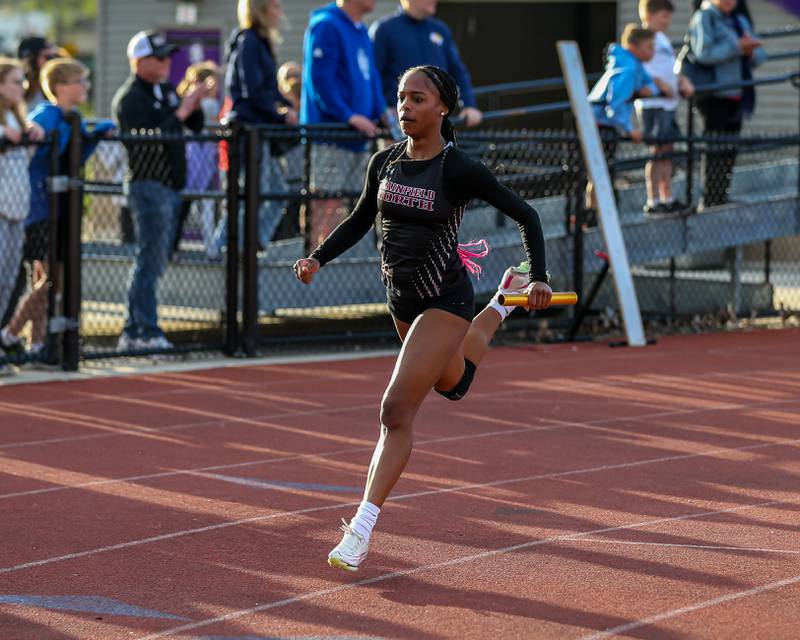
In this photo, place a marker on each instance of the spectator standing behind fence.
(251, 83)
(413, 37)
(34, 52)
(15, 190)
(721, 49)
(658, 114)
(65, 83)
(201, 156)
(340, 85)
(623, 80)
(157, 173)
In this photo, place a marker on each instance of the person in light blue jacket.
(722, 41)
(341, 84)
(624, 80)
(612, 98)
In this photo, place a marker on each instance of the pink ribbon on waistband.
(469, 250)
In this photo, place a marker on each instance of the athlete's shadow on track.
(412, 592)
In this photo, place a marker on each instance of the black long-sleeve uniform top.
(140, 106)
(421, 205)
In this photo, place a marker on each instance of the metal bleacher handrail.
(545, 84)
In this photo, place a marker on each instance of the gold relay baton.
(558, 298)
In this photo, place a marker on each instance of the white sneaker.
(128, 343)
(156, 342)
(515, 279)
(351, 551)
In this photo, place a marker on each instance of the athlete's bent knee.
(460, 390)
(395, 414)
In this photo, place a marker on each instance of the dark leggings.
(721, 117)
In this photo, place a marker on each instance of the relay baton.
(558, 298)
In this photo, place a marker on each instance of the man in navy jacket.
(412, 37)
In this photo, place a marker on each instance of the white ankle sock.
(365, 518)
(503, 311)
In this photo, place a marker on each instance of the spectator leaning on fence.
(612, 97)
(340, 85)
(658, 114)
(721, 49)
(412, 37)
(14, 183)
(65, 83)
(251, 83)
(156, 176)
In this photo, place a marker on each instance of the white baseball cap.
(149, 43)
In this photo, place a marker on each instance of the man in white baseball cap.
(145, 104)
(149, 43)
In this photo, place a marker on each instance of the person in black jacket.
(251, 82)
(148, 104)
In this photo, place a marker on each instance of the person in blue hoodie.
(251, 82)
(412, 37)
(612, 98)
(340, 84)
(65, 82)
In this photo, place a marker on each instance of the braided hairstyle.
(448, 92)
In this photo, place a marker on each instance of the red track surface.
(578, 492)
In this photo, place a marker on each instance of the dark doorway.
(515, 41)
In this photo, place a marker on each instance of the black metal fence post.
(72, 253)
(307, 214)
(252, 195)
(232, 264)
(690, 152)
(55, 186)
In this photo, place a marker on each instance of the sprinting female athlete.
(421, 187)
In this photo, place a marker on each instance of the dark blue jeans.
(154, 208)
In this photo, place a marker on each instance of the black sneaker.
(659, 207)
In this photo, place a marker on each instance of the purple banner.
(195, 45)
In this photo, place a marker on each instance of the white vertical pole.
(595, 161)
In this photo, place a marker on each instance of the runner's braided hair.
(448, 92)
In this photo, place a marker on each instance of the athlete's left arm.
(479, 182)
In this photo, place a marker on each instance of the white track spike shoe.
(351, 551)
(515, 280)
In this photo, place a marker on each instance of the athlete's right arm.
(355, 226)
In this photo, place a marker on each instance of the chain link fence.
(209, 265)
(30, 252)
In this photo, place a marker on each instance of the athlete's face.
(419, 105)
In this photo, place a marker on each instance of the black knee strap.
(460, 390)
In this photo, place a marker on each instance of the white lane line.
(407, 496)
(676, 545)
(551, 424)
(191, 425)
(644, 622)
(443, 564)
(488, 395)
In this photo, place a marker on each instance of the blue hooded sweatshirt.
(339, 74)
(50, 117)
(613, 95)
(402, 42)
